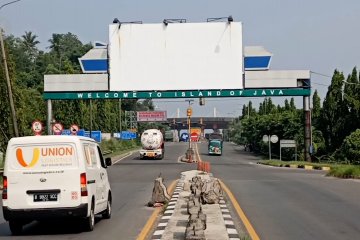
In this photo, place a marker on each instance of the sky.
(319, 36)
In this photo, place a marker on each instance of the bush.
(115, 145)
(350, 148)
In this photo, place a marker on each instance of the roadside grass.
(345, 171)
(245, 237)
(114, 147)
(120, 152)
(336, 170)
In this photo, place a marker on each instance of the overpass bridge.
(203, 122)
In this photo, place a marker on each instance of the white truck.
(152, 141)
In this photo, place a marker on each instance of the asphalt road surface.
(280, 203)
(283, 203)
(132, 181)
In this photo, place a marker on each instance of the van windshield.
(43, 156)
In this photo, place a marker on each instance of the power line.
(326, 85)
(321, 74)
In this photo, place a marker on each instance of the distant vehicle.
(213, 136)
(152, 141)
(184, 137)
(215, 147)
(207, 136)
(52, 177)
(169, 135)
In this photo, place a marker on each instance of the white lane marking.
(162, 224)
(127, 155)
(229, 222)
(231, 231)
(169, 211)
(159, 232)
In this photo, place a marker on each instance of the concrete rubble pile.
(159, 193)
(204, 190)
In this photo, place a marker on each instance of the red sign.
(57, 128)
(151, 116)
(194, 137)
(74, 129)
(37, 127)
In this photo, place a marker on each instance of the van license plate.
(150, 154)
(45, 197)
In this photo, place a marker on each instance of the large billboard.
(177, 56)
(151, 116)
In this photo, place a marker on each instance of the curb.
(306, 167)
(229, 223)
(160, 229)
(230, 227)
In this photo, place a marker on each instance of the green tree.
(333, 113)
(292, 104)
(350, 148)
(352, 102)
(287, 105)
(67, 47)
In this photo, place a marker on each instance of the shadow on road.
(53, 227)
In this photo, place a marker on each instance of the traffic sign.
(57, 128)
(287, 143)
(265, 138)
(127, 135)
(74, 129)
(274, 138)
(37, 127)
(96, 135)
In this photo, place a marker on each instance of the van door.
(93, 174)
(104, 178)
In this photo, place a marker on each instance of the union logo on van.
(35, 158)
(47, 153)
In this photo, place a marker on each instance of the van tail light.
(83, 185)
(5, 187)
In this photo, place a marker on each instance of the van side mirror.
(108, 161)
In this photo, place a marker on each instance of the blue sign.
(127, 135)
(66, 132)
(96, 135)
(81, 132)
(184, 137)
(257, 62)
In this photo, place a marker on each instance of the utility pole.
(189, 113)
(11, 100)
(307, 129)
(120, 123)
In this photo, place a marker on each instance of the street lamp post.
(11, 100)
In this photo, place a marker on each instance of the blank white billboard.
(179, 56)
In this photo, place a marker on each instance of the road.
(280, 203)
(283, 203)
(132, 181)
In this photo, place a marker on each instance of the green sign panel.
(179, 94)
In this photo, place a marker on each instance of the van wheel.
(89, 222)
(15, 227)
(107, 213)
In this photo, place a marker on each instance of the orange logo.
(20, 158)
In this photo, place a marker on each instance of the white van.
(52, 177)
